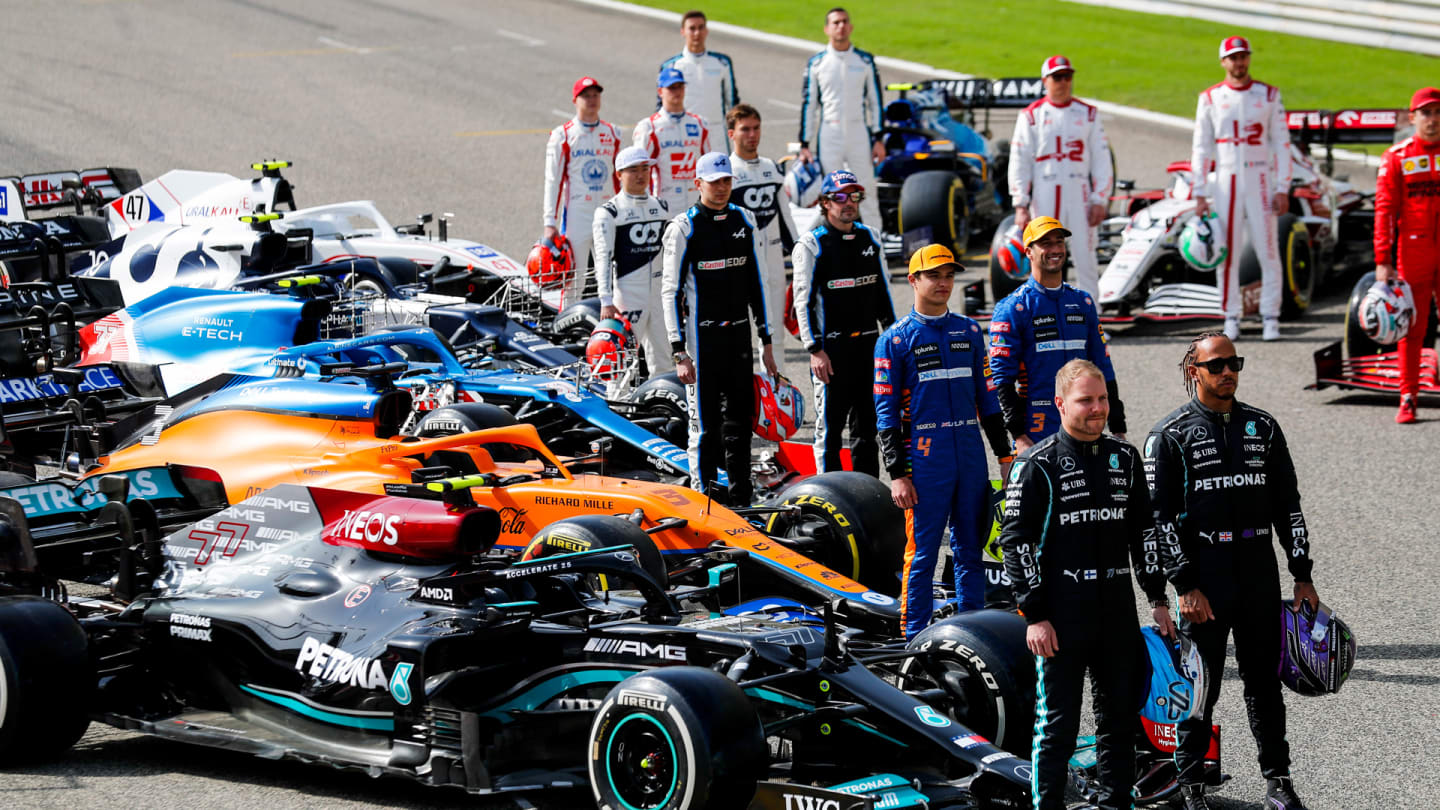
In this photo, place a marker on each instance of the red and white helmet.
(1386, 312)
(609, 349)
(779, 408)
(551, 262)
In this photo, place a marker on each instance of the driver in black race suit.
(1077, 520)
(1221, 481)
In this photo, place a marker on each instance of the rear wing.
(29, 195)
(978, 93)
(1330, 127)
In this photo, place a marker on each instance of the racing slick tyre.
(463, 417)
(1001, 282)
(1297, 266)
(979, 658)
(589, 532)
(859, 530)
(46, 679)
(936, 200)
(678, 737)
(575, 323)
(664, 396)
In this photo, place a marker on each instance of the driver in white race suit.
(758, 188)
(627, 257)
(1240, 124)
(579, 176)
(1060, 166)
(675, 139)
(840, 111)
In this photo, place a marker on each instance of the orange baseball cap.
(932, 256)
(1039, 226)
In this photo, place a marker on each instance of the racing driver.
(1038, 328)
(675, 139)
(1240, 125)
(1077, 520)
(932, 397)
(1223, 489)
(842, 301)
(840, 110)
(1060, 165)
(627, 257)
(1407, 229)
(757, 189)
(709, 76)
(579, 176)
(711, 286)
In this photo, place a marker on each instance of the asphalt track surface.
(445, 106)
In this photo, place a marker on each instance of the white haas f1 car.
(145, 221)
(1327, 230)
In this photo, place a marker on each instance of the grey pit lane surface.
(444, 107)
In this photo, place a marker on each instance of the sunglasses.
(1219, 364)
(847, 196)
(1062, 77)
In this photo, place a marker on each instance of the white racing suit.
(627, 267)
(579, 176)
(675, 141)
(1244, 132)
(709, 86)
(840, 117)
(1060, 165)
(757, 189)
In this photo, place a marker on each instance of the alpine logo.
(639, 649)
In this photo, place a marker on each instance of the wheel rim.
(842, 554)
(640, 763)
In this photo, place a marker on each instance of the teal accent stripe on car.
(323, 715)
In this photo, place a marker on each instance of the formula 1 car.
(1327, 231)
(58, 210)
(247, 437)
(197, 213)
(389, 634)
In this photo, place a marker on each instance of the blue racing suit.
(1033, 332)
(933, 393)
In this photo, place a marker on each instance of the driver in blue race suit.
(932, 397)
(1038, 328)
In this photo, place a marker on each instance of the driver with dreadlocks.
(1223, 488)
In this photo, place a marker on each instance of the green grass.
(1156, 63)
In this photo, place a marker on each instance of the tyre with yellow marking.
(847, 522)
(935, 208)
(589, 532)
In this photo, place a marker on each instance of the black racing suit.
(842, 300)
(712, 274)
(1220, 485)
(1077, 520)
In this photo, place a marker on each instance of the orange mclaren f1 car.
(822, 538)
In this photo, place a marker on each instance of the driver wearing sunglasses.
(842, 301)
(1223, 489)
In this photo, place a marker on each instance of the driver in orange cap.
(933, 394)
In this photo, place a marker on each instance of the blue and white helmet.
(1177, 678)
(802, 182)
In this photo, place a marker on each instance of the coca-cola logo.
(512, 520)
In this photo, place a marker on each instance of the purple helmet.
(1317, 649)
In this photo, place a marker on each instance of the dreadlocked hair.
(1189, 359)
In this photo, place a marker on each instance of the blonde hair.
(1074, 370)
